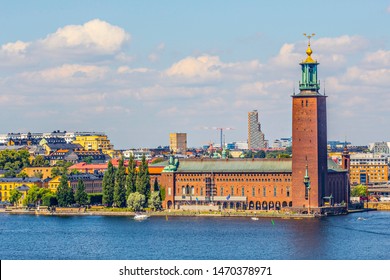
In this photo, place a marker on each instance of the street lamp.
(306, 181)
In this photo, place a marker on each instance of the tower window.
(307, 103)
(302, 103)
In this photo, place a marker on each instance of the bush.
(49, 199)
(136, 201)
(95, 198)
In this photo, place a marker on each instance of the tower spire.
(308, 50)
(309, 83)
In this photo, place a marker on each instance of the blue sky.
(139, 70)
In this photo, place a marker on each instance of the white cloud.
(344, 44)
(202, 67)
(96, 36)
(128, 70)
(380, 57)
(67, 74)
(17, 48)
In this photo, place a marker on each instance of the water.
(112, 238)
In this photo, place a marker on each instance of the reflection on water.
(355, 236)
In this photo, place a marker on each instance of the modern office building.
(256, 138)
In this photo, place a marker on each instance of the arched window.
(253, 191)
(192, 190)
(231, 191)
(288, 191)
(275, 190)
(242, 191)
(264, 191)
(221, 191)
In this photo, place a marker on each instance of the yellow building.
(94, 142)
(8, 184)
(54, 183)
(35, 171)
(178, 142)
(368, 169)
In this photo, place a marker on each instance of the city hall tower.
(309, 138)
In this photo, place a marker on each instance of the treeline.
(132, 190)
(13, 162)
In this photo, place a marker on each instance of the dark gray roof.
(21, 180)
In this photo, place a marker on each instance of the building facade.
(256, 138)
(368, 169)
(307, 183)
(178, 142)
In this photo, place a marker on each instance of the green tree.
(155, 201)
(15, 195)
(120, 188)
(49, 199)
(60, 168)
(136, 201)
(39, 161)
(88, 159)
(108, 185)
(260, 154)
(359, 190)
(143, 179)
(156, 187)
(95, 198)
(22, 175)
(131, 176)
(162, 194)
(65, 194)
(35, 194)
(81, 196)
(38, 174)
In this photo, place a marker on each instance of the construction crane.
(221, 129)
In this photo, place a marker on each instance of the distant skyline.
(140, 70)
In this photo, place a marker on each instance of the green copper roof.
(240, 165)
(334, 167)
(243, 165)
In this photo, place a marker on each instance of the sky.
(139, 70)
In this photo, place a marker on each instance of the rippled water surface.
(355, 236)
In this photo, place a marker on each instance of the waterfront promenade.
(126, 212)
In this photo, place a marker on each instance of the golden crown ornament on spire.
(308, 50)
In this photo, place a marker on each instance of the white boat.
(140, 217)
(255, 218)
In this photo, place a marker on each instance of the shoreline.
(172, 213)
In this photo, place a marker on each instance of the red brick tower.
(309, 150)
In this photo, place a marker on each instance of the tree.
(22, 175)
(95, 198)
(60, 168)
(39, 161)
(108, 185)
(155, 185)
(81, 196)
(88, 159)
(65, 194)
(38, 174)
(359, 190)
(143, 179)
(155, 201)
(35, 195)
(260, 154)
(15, 195)
(120, 188)
(131, 176)
(136, 201)
(49, 199)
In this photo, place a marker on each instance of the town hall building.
(309, 182)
